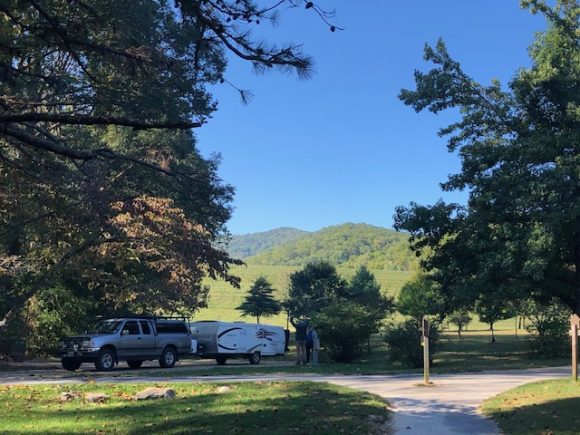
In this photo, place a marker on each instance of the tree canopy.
(519, 234)
(103, 191)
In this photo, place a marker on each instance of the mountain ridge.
(349, 245)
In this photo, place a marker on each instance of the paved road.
(449, 407)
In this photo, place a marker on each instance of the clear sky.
(341, 147)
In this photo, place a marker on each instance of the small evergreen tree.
(260, 300)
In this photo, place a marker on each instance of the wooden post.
(574, 326)
(425, 331)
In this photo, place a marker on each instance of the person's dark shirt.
(301, 327)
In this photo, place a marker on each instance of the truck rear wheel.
(168, 358)
(221, 360)
(70, 364)
(255, 358)
(134, 363)
(105, 360)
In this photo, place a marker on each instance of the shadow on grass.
(560, 416)
(278, 408)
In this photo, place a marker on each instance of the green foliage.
(350, 245)
(313, 288)
(549, 330)
(404, 342)
(459, 318)
(519, 236)
(491, 310)
(248, 245)
(54, 313)
(344, 328)
(260, 301)
(420, 297)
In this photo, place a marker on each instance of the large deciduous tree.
(102, 189)
(519, 234)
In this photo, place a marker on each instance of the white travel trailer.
(223, 340)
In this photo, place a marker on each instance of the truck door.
(148, 339)
(130, 340)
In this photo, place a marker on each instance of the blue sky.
(341, 147)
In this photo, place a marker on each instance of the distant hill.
(348, 245)
(247, 245)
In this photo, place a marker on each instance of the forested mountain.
(247, 245)
(349, 245)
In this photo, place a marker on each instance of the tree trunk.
(492, 333)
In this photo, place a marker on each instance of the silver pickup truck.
(127, 339)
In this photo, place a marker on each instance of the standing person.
(300, 326)
(308, 343)
(315, 346)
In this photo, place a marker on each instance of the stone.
(96, 397)
(67, 396)
(223, 389)
(155, 393)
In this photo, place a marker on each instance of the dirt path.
(449, 407)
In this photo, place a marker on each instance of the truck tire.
(168, 357)
(134, 363)
(255, 358)
(105, 360)
(221, 360)
(70, 364)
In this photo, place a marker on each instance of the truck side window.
(132, 326)
(145, 327)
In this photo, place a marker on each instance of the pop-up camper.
(223, 340)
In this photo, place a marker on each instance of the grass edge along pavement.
(546, 407)
(255, 407)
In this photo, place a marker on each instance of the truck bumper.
(85, 355)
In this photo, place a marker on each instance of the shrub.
(549, 330)
(344, 328)
(404, 342)
(51, 314)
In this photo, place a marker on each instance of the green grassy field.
(549, 407)
(248, 408)
(223, 298)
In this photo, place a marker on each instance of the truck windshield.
(106, 327)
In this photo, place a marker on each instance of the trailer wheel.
(255, 358)
(221, 360)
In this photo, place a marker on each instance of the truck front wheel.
(105, 360)
(221, 360)
(70, 364)
(168, 358)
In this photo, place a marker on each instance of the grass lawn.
(256, 408)
(548, 407)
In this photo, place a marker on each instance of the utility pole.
(425, 338)
(574, 327)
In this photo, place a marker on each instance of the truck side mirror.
(125, 332)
